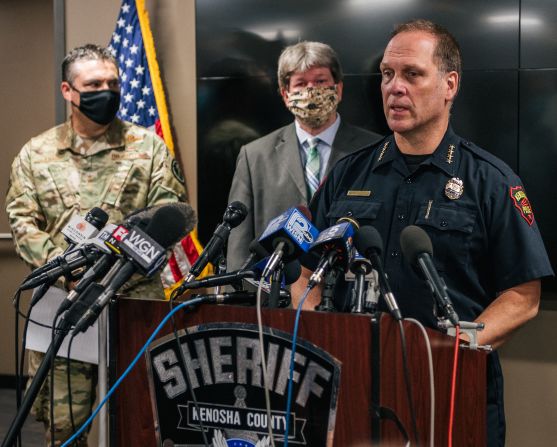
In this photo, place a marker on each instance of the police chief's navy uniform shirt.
(476, 212)
(472, 206)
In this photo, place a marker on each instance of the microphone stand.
(221, 268)
(103, 377)
(359, 289)
(71, 318)
(327, 295)
(274, 282)
(470, 328)
(38, 293)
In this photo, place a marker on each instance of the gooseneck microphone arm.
(359, 286)
(234, 215)
(418, 249)
(275, 281)
(369, 243)
(327, 294)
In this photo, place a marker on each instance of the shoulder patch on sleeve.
(522, 204)
(177, 172)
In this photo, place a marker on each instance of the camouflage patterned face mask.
(313, 105)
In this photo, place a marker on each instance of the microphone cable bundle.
(143, 252)
(122, 252)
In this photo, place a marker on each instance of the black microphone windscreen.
(97, 217)
(368, 238)
(414, 241)
(292, 271)
(138, 214)
(235, 214)
(257, 249)
(167, 226)
(189, 216)
(143, 216)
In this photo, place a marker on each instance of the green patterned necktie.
(312, 166)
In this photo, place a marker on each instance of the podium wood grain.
(348, 338)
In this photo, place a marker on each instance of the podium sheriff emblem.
(220, 390)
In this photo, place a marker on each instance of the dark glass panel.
(538, 152)
(538, 34)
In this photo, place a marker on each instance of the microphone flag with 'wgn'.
(109, 245)
(144, 252)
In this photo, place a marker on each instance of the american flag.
(143, 102)
(138, 99)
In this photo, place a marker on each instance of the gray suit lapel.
(345, 143)
(288, 153)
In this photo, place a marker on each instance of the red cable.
(453, 385)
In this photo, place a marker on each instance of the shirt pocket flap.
(359, 209)
(116, 185)
(447, 219)
(65, 193)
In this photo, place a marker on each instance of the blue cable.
(291, 372)
(129, 368)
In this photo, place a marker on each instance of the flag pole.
(158, 89)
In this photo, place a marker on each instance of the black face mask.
(99, 106)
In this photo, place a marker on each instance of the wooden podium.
(371, 363)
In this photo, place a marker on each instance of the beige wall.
(26, 47)
(529, 359)
(529, 362)
(26, 43)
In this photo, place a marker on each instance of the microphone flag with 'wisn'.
(287, 236)
(223, 364)
(144, 103)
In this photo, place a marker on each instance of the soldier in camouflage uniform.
(93, 159)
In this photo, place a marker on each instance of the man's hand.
(299, 287)
(509, 311)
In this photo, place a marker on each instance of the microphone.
(287, 236)
(76, 231)
(257, 252)
(144, 252)
(273, 292)
(146, 214)
(360, 267)
(292, 272)
(369, 243)
(108, 241)
(243, 297)
(98, 269)
(81, 257)
(217, 280)
(234, 215)
(86, 253)
(418, 250)
(335, 244)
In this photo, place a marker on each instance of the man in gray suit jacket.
(284, 168)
